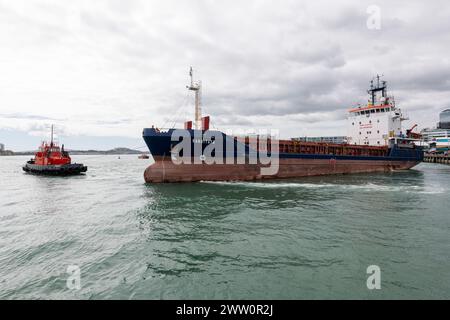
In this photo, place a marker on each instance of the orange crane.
(413, 135)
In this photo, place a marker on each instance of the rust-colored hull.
(164, 170)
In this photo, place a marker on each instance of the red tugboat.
(53, 160)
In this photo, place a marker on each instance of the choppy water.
(310, 238)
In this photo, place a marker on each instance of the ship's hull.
(55, 170)
(290, 165)
(164, 170)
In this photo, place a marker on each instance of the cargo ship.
(50, 159)
(375, 143)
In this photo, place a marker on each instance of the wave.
(363, 187)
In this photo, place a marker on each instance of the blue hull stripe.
(159, 144)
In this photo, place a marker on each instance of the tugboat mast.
(51, 139)
(196, 87)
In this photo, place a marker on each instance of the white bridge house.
(377, 122)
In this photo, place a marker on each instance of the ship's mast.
(379, 86)
(51, 141)
(197, 88)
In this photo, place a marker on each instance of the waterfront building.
(439, 137)
(444, 119)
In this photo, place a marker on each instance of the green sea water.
(311, 238)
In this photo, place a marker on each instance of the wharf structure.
(437, 158)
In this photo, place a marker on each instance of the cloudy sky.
(103, 70)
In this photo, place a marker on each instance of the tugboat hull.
(55, 170)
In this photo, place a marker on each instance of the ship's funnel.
(205, 123)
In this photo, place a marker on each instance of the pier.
(436, 158)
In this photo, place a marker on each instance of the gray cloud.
(112, 67)
(26, 116)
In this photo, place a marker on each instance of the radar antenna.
(379, 86)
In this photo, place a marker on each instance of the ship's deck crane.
(413, 135)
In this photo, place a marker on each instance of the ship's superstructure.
(211, 155)
(378, 121)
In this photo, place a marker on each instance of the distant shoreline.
(116, 151)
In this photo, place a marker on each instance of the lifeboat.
(50, 159)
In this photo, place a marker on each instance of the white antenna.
(197, 87)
